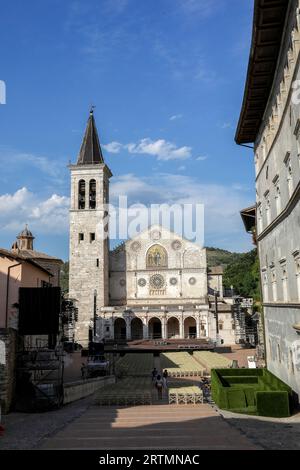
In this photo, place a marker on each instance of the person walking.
(165, 378)
(154, 374)
(159, 384)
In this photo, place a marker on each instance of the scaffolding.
(39, 379)
(238, 314)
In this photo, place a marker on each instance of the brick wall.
(8, 345)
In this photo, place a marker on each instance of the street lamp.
(95, 313)
(216, 294)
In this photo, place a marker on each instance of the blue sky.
(167, 79)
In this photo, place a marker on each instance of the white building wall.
(277, 152)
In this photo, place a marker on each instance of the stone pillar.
(145, 329)
(112, 328)
(164, 328)
(198, 326)
(181, 328)
(128, 329)
(206, 325)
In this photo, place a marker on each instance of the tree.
(243, 275)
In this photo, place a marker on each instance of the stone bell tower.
(89, 245)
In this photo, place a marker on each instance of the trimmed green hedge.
(244, 379)
(273, 404)
(250, 391)
(240, 372)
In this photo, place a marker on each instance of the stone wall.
(8, 345)
(76, 390)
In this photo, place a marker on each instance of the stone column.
(198, 326)
(112, 328)
(206, 325)
(145, 329)
(128, 329)
(181, 327)
(164, 328)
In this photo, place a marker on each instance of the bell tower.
(89, 244)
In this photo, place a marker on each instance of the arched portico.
(173, 328)
(155, 328)
(119, 329)
(190, 328)
(136, 328)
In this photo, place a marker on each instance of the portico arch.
(119, 329)
(136, 328)
(155, 329)
(190, 328)
(173, 330)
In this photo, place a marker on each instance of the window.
(92, 237)
(279, 353)
(289, 172)
(277, 194)
(220, 325)
(274, 285)
(297, 134)
(81, 194)
(296, 255)
(284, 281)
(97, 262)
(92, 195)
(265, 285)
(81, 237)
(268, 207)
(259, 218)
(105, 192)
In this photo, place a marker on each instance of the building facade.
(154, 286)
(270, 119)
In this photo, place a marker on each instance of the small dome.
(25, 233)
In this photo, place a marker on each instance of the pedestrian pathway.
(149, 427)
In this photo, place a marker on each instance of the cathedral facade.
(153, 286)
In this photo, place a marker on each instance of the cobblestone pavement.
(26, 430)
(269, 433)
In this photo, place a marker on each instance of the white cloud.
(113, 147)
(50, 167)
(48, 215)
(202, 158)
(226, 125)
(161, 149)
(175, 117)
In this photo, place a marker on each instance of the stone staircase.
(149, 427)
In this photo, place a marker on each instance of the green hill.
(219, 257)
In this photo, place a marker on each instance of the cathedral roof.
(90, 151)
